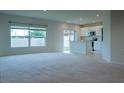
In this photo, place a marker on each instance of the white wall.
(54, 40)
(106, 44)
(117, 36)
(113, 33)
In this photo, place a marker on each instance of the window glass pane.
(38, 38)
(26, 35)
(19, 38)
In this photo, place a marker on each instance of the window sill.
(28, 47)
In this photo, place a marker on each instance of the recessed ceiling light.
(44, 10)
(97, 15)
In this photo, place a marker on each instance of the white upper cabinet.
(85, 31)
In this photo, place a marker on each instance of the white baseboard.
(120, 63)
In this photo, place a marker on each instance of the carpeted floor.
(58, 67)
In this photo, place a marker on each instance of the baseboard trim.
(120, 63)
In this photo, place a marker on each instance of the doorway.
(69, 36)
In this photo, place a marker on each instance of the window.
(19, 38)
(38, 38)
(27, 35)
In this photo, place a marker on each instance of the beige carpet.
(58, 67)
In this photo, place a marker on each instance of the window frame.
(29, 34)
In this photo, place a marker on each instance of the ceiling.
(69, 16)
